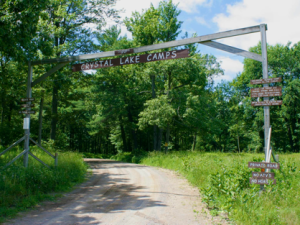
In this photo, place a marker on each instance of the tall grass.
(22, 188)
(223, 181)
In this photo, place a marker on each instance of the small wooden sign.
(152, 57)
(262, 175)
(27, 105)
(27, 112)
(266, 92)
(124, 51)
(262, 181)
(266, 81)
(267, 103)
(27, 99)
(264, 165)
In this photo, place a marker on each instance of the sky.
(211, 16)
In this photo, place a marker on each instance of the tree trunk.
(41, 117)
(123, 137)
(238, 141)
(159, 139)
(54, 110)
(167, 138)
(194, 141)
(154, 127)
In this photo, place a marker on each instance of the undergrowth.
(223, 181)
(22, 188)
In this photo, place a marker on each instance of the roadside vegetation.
(22, 188)
(223, 181)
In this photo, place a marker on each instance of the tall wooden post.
(27, 131)
(265, 76)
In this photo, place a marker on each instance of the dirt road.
(123, 193)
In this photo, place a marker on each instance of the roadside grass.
(22, 188)
(223, 181)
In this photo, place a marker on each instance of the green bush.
(21, 188)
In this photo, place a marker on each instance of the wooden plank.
(42, 148)
(152, 57)
(233, 50)
(50, 72)
(39, 160)
(263, 175)
(27, 112)
(262, 181)
(27, 99)
(13, 145)
(266, 92)
(170, 44)
(16, 158)
(124, 51)
(266, 81)
(263, 165)
(27, 105)
(267, 103)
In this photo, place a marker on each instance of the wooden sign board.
(152, 57)
(27, 99)
(258, 175)
(266, 81)
(27, 112)
(263, 165)
(267, 103)
(124, 51)
(266, 92)
(262, 181)
(27, 105)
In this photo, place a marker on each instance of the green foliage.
(22, 188)
(223, 181)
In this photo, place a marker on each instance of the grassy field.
(223, 181)
(22, 188)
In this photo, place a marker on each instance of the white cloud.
(282, 18)
(231, 68)
(190, 6)
(201, 21)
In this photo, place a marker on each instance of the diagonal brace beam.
(39, 160)
(13, 145)
(233, 50)
(42, 148)
(50, 72)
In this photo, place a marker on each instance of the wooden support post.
(27, 131)
(265, 76)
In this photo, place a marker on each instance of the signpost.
(266, 80)
(266, 92)
(267, 103)
(27, 105)
(27, 99)
(152, 57)
(262, 177)
(26, 112)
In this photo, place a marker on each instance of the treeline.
(164, 105)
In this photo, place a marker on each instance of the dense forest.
(163, 105)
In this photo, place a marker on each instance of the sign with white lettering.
(27, 99)
(262, 181)
(266, 81)
(267, 103)
(266, 92)
(27, 112)
(262, 175)
(124, 51)
(263, 165)
(152, 57)
(27, 105)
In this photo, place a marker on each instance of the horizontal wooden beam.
(170, 44)
(233, 50)
(50, 72)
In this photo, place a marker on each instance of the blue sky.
(211, 16)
